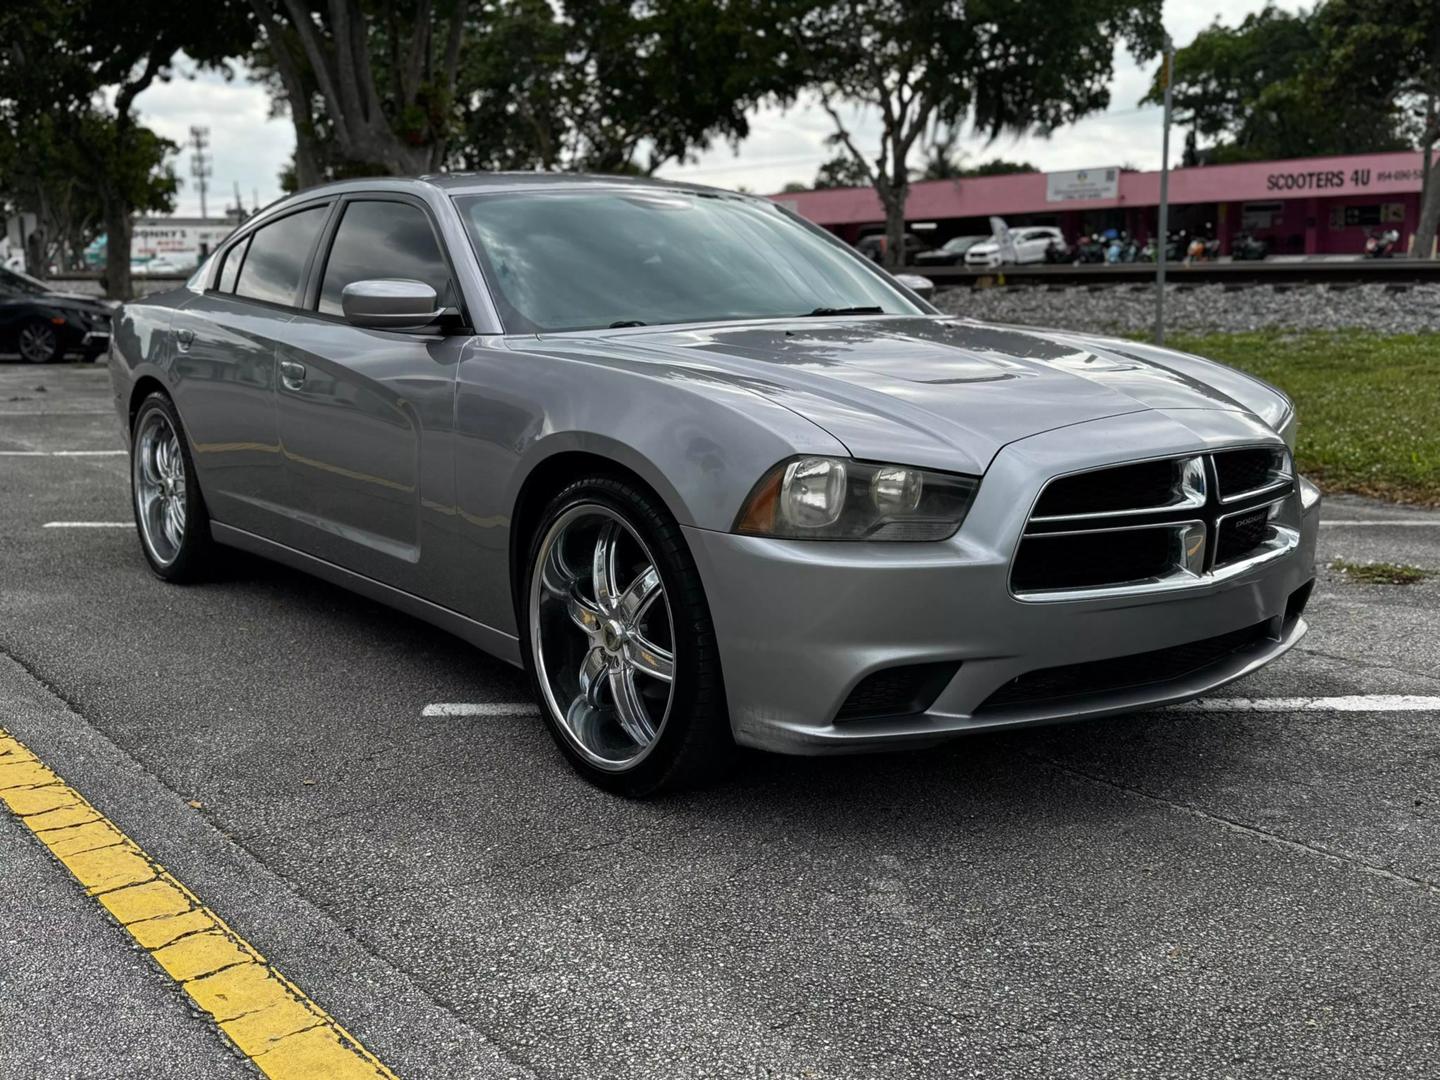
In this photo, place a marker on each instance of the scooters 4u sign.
(1339, 181)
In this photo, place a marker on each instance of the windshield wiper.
(620, 324)
(848, 311)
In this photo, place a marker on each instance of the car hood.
(71, 301)
(938, 392)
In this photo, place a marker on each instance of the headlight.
(822, 498)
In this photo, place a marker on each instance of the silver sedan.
(706, 474)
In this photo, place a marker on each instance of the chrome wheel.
(159, 475)
(602, 636)
(38, 342)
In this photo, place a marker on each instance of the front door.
(365, 414)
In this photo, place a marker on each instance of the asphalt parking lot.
(1228, 892)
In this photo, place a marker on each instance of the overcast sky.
(249, 148)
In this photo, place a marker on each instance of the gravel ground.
(1131, 308)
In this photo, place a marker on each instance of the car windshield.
(960, 243)
(14, 283)
(581, 260)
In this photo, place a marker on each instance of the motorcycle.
(1247, 247)
(1381, 245)
(1203, 250)
(1089, 249)
(1058, 251)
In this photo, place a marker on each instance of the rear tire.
(170, 513)
(617, 638)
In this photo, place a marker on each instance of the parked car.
(950, 253)
(1030, 245)
(42, 324)
(709, 476)
(873, 247)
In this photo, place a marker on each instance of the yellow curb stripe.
(285, 1034)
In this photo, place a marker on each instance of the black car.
(43, 325)
(950, 253)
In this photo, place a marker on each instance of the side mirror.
(390, 304)
(919, 284)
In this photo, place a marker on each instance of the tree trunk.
(1429, 208)
(117, 249)
(894, 202)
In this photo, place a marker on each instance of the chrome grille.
(1161, 523)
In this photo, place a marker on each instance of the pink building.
(1303, 206)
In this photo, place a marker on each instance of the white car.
(1030, 244)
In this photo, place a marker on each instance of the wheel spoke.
(585, 614)
(641, 593)
(649, 659)
(630, 707)
(173, 530)
(592, 677)
(603, 564)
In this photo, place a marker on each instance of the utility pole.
(200, 161)
(1162, 242)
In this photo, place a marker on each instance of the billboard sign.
(1082, 185)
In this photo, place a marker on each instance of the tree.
(63, 167)
(1390, 49)
(841, 172)
(1265, 89)
(1005, 65)
(613, 85)
(61, 56)
(372, 83)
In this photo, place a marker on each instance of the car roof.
(472, 183)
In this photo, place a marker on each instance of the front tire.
(39, 342)
(617, 637)
(170, 513)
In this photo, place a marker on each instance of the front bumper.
(800, 624)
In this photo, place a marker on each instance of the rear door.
(365, 414)
(224, 357)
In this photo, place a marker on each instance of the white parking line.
(483, 708)
(61, 453)
(1353, 703)
(88, 525)
(1386, 524)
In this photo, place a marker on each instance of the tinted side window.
(230, 268)
(384, 240)
(277, 255)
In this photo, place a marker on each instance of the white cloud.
(247, 146)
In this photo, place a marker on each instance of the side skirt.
(497, 643)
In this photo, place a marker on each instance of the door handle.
(292, 374)
(184, 338)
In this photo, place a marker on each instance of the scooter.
(1246, 247)
(1381, 245)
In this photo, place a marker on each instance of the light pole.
(200, 162)
(1162, 242)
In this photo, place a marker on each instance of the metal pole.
(1162, 242)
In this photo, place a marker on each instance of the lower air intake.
(1055, 684)
(897, 691)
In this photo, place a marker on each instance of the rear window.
(230, 268)
(278, 252)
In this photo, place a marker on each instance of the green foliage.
(840, 172)
(1380, 573)
(1271, 88)
(1367, 404)
(612, 86)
